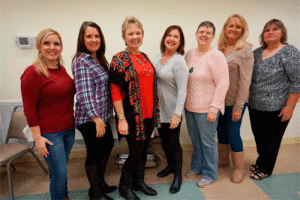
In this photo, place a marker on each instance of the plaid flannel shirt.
(93, 98)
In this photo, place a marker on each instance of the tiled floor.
(30, 179)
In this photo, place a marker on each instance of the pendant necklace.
(141, 62)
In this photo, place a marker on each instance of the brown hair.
(180, 49)
(222, 43)
(81, 48)
(40, 64)
(280, 25)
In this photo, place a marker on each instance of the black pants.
(268, 132)
(97, 148)
(137, 148)
(170, 141)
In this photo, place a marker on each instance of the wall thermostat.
(25, 41)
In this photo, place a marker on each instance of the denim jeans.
(229, 131)
(57, 161)
(202, 134)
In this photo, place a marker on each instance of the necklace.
(149, 71)
(141, 62)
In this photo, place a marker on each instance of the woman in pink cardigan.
(207, 87)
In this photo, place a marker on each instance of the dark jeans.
(229, 131)
(137, 148)
(268, 131)
(96, 148)
(170, 141)
(57, 161)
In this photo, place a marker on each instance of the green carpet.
(277, 187)
(283, 186)
(189, 191)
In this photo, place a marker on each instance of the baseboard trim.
(294, 140)
(79, 151)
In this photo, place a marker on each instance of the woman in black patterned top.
(274, 92)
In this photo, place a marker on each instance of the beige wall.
(29, 17)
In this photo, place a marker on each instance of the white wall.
(29, 17)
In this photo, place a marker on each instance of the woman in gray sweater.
(274, 92)
(172, 75)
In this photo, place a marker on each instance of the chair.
(11, 151)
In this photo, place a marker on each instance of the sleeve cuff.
(213, 109)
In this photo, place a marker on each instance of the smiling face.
(92, 40)
(133, 37)
(51, 48)
(272, 34)
(233, 29)
(172, 41)
(205, 36)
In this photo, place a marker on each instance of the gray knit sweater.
(172, 78)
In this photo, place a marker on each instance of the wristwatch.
(121, 116)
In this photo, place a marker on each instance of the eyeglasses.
(205, 32)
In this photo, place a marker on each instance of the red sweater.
(146, 87)
(48, 102)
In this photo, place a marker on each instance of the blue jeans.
(202, 134)
(229, 131)
(57, 161)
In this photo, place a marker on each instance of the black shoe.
(127, 193)
(95, 191)
(125, 186)
(176, 184)
(102, 197)
(141, 186)
(106, 188)
(165, 172)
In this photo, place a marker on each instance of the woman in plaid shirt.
(93, 106)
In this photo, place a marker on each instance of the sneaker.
(204, 182)
(191, 173)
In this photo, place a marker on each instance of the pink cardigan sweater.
(208, 81)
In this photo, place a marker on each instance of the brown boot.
(237, 176)
(223, 150)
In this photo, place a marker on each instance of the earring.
(40, 54)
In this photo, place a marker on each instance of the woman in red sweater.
(48, 97)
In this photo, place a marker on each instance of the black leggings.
(96, 148)
(170, 138)
(268, 131)
(137, 148)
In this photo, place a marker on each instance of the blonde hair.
(40, 64)
(222, 43)
(131, 20)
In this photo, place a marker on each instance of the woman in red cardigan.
(48, 97)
